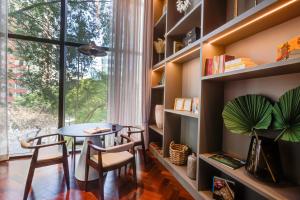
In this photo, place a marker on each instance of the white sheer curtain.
(3, 87)
(129, 81)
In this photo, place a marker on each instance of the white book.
(242, 66)
(238, 60)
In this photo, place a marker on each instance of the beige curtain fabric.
(129, 75)
(3, 87)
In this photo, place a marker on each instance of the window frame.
(63, 44)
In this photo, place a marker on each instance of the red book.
(209, 66)
(223, 59)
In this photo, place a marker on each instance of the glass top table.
(77, 130)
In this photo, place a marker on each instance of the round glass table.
(78, 130)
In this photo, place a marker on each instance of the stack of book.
(239, 63)
(289, 50)
(216, 65)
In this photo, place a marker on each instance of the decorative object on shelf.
(247, 115)
(192, 36)
(162, 80)
(238, 63)
(228, 161)
(195, 105)
(159, 113)
(187, 105)
(183, 5)
(177, 46)
(179, 104)
(159, 46)
(178, 153)
(192, 166)
(223, 189)
(289, 49)
(286, 118)
(217, 64)
(208, 66)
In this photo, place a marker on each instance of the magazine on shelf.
(228, 161)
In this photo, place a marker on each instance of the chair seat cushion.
(113, 159)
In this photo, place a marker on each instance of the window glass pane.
(90, 21)
(37, 18)
(33, 76)
(85, 87)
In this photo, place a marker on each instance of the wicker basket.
(178, 153)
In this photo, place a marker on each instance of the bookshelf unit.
(252, 29)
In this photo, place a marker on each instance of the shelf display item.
(159, 46)
(195, 105)
(223, 189)
(159, 113)
(187, 105)
(178, 153)
(179, 104)
(192, 166)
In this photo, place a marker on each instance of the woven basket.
(178, 153)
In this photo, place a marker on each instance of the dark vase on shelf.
(263, 159)
(289, 154)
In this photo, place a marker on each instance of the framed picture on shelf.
(223, 189)
(187, 105)
(179, 104)
(195, 105)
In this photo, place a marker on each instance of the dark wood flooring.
(154, 182)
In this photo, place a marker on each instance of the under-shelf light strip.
(254, 20)
(188, 53)
(158, 68)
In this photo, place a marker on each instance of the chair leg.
(144, 153)
(29, 181)
(86, 176)
(66, 171)
(134, 172)
(101, 185)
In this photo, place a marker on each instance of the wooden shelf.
(159, 65)
(271, 69)
(156, 129)
(187, 53)
(179, 172)
(268, 190)
(161, 22)
(158, 87)
(252, 22)
(186, 23)
(206, 195)
(182, 113)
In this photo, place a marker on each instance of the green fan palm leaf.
(286, 114)
(246, 114)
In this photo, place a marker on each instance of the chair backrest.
(120, 148)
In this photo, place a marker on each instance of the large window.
(49, 82)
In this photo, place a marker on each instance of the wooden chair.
(40, 160)
(133, 130)
(109, 159)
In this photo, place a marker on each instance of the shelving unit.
(255, 32)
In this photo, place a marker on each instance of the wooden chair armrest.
(128, 139)
(28, 145)
(42, 136)
(95, 147)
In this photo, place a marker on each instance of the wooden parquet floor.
(154, 182)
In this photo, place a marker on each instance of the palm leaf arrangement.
(246, 114)
(286, 114)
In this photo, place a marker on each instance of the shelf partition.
(268, 190)
(265, 15)
(182, 113)
(156, 129)
(271, 69)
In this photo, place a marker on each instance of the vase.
(159, 113)
(263, 160)
(192, 166)
(289, 154)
